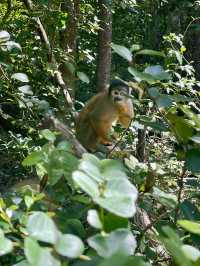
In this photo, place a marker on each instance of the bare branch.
(51, 58)
(50, 120)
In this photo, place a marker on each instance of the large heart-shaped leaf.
(6, 245)
(120, 240)
(69, 245)
(41, 227)
(38, 256)
(106, 182)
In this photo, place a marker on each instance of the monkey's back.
(98, 108)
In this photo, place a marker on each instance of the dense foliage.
(137, 205)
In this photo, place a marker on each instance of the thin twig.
(120, 140)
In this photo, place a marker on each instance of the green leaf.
(32, 250)
(70, 246)
(113, 222)
(135, 47)
(193, 160)
(164, 101)
(26, 89)
(153, 92)
(120, 240)
(112, 168)
(118, 197)
(6, 246)
(74, 226)
(23, 263)
(34, 158)
(122, 260)
(183, 128)
(86, 183)
(49, 135)
(65, 146)
(166, 199)
(13, 45)
(38, 256)
(70, 67)
(157, 125)
(179, 57)
(93, 219)
(157, 72)
(196, 139)
(4, 36)
(191, 252)
(190, 226)
(141, 76)
(90, 168)
(174, 245)
(28, 201)
(122, 51)
(150, 52)
(107, 184)
(83, 77)
(61, 163)
(21, 77)
(41, 227)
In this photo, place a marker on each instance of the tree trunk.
(193, 44)
(69, 40)
(104, 49)
(141, 145)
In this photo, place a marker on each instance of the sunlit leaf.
(141, 76)
(6, 246)
(191, 252)
(21, 77)
(120, 240)
(38, 256)
(41, 227)
(13, 45)
(158, 72)
(49, 135)
(83, 77)
(122, 51)
(69, 245)
(4, 36)
(150, 52)
(93, 219)
(26, 89)
(33, 158)
(190, 226)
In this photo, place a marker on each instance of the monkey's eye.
(116, 93)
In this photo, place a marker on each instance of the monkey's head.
(118, 91)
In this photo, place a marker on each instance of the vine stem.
(188, 26)
(181, 187)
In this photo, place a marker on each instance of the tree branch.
(51, 58)
(51, 121)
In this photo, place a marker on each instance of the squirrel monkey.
(97, 116)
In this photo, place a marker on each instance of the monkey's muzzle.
(117, 99)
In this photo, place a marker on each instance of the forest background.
(137, 205)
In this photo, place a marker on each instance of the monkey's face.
(119, 94)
